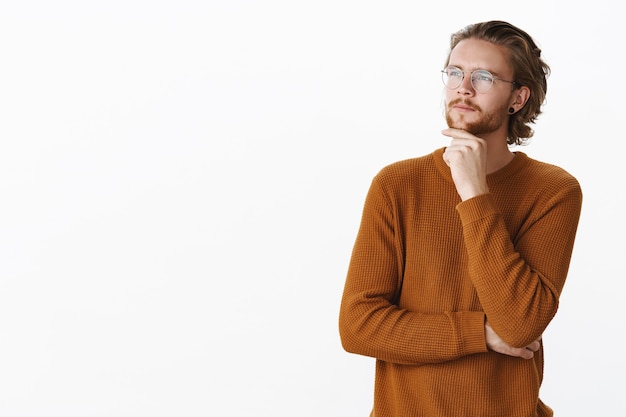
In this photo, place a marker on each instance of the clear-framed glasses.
(482, 80)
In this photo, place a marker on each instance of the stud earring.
(511, 110)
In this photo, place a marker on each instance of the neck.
(498, 154)
(498, 162)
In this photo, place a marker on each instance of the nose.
(466, 87)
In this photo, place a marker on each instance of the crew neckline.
(509, 169)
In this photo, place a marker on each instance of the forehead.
(473, 54)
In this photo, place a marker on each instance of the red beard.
(484, 124)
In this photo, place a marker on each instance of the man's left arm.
(519, 284)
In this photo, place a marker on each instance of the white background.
(181, 183)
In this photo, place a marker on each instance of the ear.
(521, 96)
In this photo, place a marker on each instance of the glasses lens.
(482, 80)
(452, 77)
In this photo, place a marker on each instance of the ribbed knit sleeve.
(519, 282)
(370, 322)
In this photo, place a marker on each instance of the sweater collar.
(506, 171)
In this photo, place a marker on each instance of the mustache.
(463, 102)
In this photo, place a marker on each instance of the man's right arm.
(371, 324)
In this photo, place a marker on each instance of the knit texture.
(427, 270)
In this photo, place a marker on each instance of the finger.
(459, 134)
(525, 353)
(452, 154)
(534, 346)
(456, 133)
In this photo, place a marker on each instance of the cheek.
(448, 97)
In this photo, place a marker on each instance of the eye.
(482, 76)
(454, 72)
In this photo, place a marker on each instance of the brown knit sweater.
(427, 270)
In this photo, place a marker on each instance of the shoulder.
(406, 171)
(546, 173)
(549, 180)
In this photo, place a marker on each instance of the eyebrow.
(475, 69)
(492, 72)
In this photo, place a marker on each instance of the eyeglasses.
(482, 80)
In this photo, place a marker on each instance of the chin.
(455, 124)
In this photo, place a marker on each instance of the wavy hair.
(529, 70)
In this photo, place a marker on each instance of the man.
(462, 254)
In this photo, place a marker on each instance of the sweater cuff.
(476, 208)
(473, 332)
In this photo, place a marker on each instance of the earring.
(511, 110)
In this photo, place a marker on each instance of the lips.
(462, 106)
